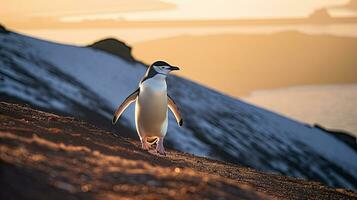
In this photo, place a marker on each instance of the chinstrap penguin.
(152, 103)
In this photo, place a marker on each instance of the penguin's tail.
(152, 140)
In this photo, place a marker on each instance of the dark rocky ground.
(46, 156)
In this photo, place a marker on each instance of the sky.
(233, 9)
(68, 10)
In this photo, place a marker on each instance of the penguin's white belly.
(151, 110)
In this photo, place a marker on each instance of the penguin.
(151, 107)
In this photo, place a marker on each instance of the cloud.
(45, 8)
(351, 5)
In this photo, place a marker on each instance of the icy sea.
(333, 106)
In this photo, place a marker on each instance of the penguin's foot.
(161, 151)
(145, 145)
(160, 147)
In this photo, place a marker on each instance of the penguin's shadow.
(155, 153)
(152, 151)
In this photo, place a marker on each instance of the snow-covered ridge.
(67, 78)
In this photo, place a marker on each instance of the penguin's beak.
(174, 68)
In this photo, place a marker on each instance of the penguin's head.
(162, 67)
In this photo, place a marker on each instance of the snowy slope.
(76, 80)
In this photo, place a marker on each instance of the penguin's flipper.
(130, 99)
(174, 110)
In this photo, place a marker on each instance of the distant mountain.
(320, 16)
(115, 47)
(88, 83)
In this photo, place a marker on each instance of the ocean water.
(333, 106)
